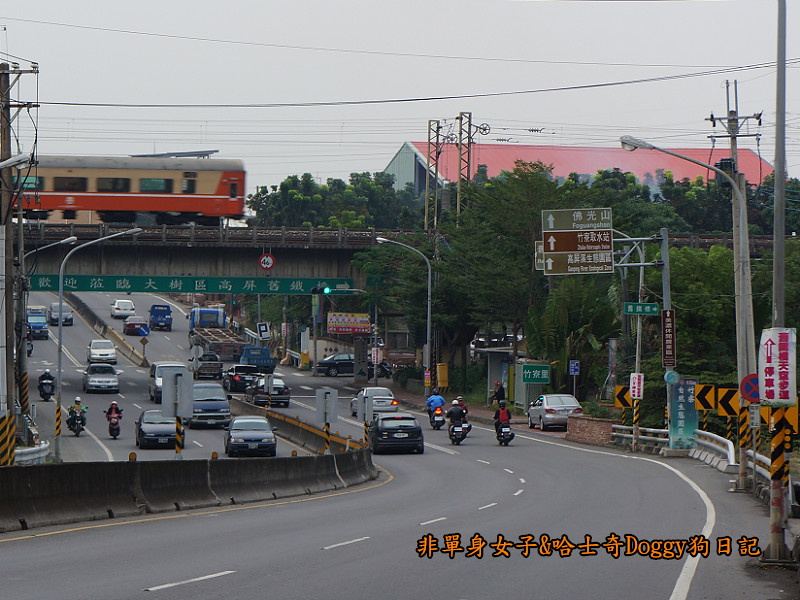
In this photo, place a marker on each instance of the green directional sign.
(641, 308)
(574, 219)
(178, 285)
(535, 373)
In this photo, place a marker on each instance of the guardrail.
(36, 455)
(650, 440)
(715, 451)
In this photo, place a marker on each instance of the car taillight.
(550, 410)
(577, 410)
(236, 378)
(394, 402)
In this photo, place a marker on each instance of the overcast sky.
(335, 87)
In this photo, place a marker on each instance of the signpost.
(682, 413)
(266, 261)
(535, 373)
(574, 370)
(640, 308)
(263, 331)
(637, 386)
(777, 366)
(577, 241)
(668, 355)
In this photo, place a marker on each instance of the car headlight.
(268, 440)
(197, 411)
(237, 440)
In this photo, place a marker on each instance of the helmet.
(455, 403)
(497, 382)
(77, 398)
(502, 404)
(459, 398)
(434, 391)
(47, 371)
(113, 403)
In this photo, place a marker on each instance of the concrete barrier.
(175, 485)
(41, 495)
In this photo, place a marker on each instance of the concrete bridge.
(226, 259)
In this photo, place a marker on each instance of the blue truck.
(260, 357)
(37, 322)
(161, 317)
(210, 329)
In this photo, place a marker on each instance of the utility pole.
(7, 416)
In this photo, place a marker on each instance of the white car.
(101, 351)
(382, 399)
(121, 309)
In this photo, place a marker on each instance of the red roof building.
(408, 165)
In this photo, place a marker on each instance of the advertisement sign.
(682, 414)
(637, 386)
(348, 323)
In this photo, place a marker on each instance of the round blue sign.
(144, 330)
(672, 377)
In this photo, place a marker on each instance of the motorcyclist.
(45, 377)
(502, 416)
(434, 401)
(456, 415)
(463, 406)
(113, 409)
(76, 409)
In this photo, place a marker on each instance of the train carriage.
(173, 190)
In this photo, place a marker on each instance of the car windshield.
(254, 425)
(101, 370)
(124, 304)
(400, 423)
(102, 345)
(379, 391)
(37, 319)
(210, 392)
(561, 401)
(247, 370)
(157, 417)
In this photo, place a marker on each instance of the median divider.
(176, 485)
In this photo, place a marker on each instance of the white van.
(155, 382)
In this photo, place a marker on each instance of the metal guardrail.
(649, 439)
(32, 456)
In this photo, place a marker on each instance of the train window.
(234, 191)
(163, 186)
(70, 184)
(113, 184)
(189, 186)
(28, 183)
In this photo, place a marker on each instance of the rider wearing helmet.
(76, 409)
(456, 414)
(501, 416)
(113, 409)
(434, 401)
(46, 376)
(462, 404)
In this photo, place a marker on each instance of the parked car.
(382, 399)
(101, 351)
(100, 377)
(122, 308)
(154, 430)
(552, 410)
(279, 395)
(155, 379)
(210, 405)
(396, 431)
(53, 313)
(133, 325)
(238, 377)
(250, 435)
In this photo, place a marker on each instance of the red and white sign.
(637, 386)
(266, 261)
(348, 323)
(777, 366)
(284, 330)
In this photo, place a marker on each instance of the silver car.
(100, 377)
(101, 351)
(552, 410)
(382, 399)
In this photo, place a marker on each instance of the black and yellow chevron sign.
(622, 396)
(728, 400)
(705, 396)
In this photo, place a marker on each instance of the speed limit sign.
(266, 262)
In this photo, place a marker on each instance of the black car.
(154, 430)
(279, 395)
(250, 435)
(396, 431)
(239, 377)
(342, 363)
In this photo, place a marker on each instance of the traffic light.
(320, 290)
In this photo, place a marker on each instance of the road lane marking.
(164, 586)
(441, 448)
(355, 541)
(488, 506)
(137, 406)
(433, 521)
(522, 480)
(306, 387)
(198, 443)
(518, 492)
(486, 462)
(508, 471)
(102, 445)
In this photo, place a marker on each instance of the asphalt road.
(367, 540)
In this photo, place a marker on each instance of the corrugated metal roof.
(588, 161)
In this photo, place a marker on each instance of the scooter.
(504, 434)
(113, 424)
(385, 370)
(77, 423)
(458, 432)
(46, 389)
(436, 418)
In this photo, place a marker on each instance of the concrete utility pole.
(7, 419)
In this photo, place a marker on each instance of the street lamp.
(61, 323)
(70, 240)
(426, 354)
(745, 331)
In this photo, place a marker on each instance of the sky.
(333, 87)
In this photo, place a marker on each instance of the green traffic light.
(326, 290)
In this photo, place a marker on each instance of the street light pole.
(426, 353)
(61, 323)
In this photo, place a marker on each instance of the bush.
(403, 374)
(593, 409)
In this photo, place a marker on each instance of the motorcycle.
(436, 418)
(46, 389)
(458, 433)
(77, 423)
(504, 434)
(113, 424)
(385, 370)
